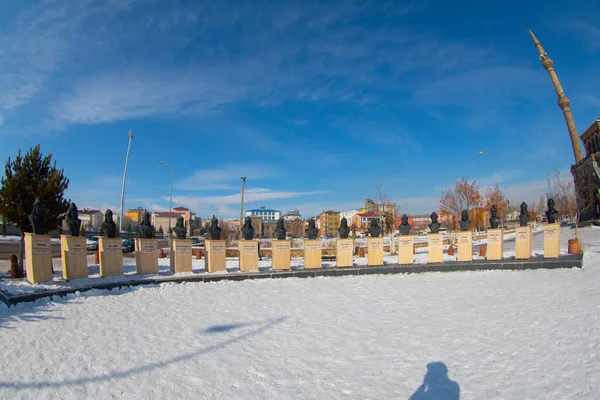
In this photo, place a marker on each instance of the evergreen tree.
(3, 226)
(26, 178)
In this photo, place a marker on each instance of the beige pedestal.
(552, 241)
(146, 256)
(374, 251)
(74, 257)
(216, 259)
(405, 249)
(523, 240)
(180, 255)
(495, 244)
(248, 255)
(344, 252)
(435, 248)
(465, 246)
(111, 256)
(281, 254)
(38, 258)
(312, 254)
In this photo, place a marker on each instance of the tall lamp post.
(242, 205)
(171, 196)
(474, 180)
(130, 133)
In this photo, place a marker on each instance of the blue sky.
(315, 102)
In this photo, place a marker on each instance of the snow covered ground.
(531, 334)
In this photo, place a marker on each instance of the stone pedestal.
(552, 241)
(374, 251)
(281, 254)
(216, 255)
(312, 254)
(111, 256)
(344, 252)
(495, 244)
(74, 257)
(465, 246)
(435, 248)
(405, 249)
(146, 256)
(248, 255)
(180, 255)
(38, 258)
(523, 241)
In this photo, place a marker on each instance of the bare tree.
(464, 196)
(387, 216)
(562, 191)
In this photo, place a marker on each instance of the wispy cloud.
(500, 177)
(588, 33)
(227, 177)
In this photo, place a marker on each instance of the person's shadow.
(436, 384)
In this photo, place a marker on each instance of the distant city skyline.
(315, 103)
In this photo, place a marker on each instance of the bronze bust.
(73, 221)
(248, 229)
(343, 230)
(109, 228)
(434, 226)
(312, 231)
(404, 226)
(179, 229)
(214, 230)
(464, 221)
(280, 231)
(494, 220)
(145, 228)
(374, 229)
(36, 218)
(551, 214)
(524, 216)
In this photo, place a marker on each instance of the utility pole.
(130, 133)
(242, 205)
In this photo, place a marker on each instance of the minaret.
(563, 101)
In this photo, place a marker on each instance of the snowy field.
(501, 335)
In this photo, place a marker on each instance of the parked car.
(92, 243)
(128, 245)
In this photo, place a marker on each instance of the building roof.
(330, 212)
(262, 210)
(88, 211)
(368, 214)
(162, 214)
(181, 209)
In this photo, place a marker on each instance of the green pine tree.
(26, 178)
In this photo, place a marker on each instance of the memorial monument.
(73, 248)
(551, 232)
(464, 222)
(110, 248)
(374, 244)
(405, 243)
(280, 232)
(281, 249)
(38, 255)
(248, 248)
(216, 249)
(495, 236)
(180, 255)
(312, 231)
(312, 246)
(344, 246)
(435, 241)
(524, 235)
(146, 248)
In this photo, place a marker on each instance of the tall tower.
(563, 101)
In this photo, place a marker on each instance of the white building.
(292, 215)
(265, 214)
(348, 215)
(92, 219)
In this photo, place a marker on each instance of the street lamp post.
(242, 205)
(130, 133)
(171, 195)
(474, 181)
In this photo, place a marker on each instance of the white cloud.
(227, 177)
(499, 177)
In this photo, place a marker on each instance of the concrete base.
(180, 255)
(281, 254)
(215, 259)
(374, 251)
(146, 256)
(465, 246)
(38, 258)
(552, 241)
(495, 244)
(524, 237)
(344, 252)
(312, 254)
(435, 248)
(74, 257)
(405, 249)
(248, 255)
(111, 256)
